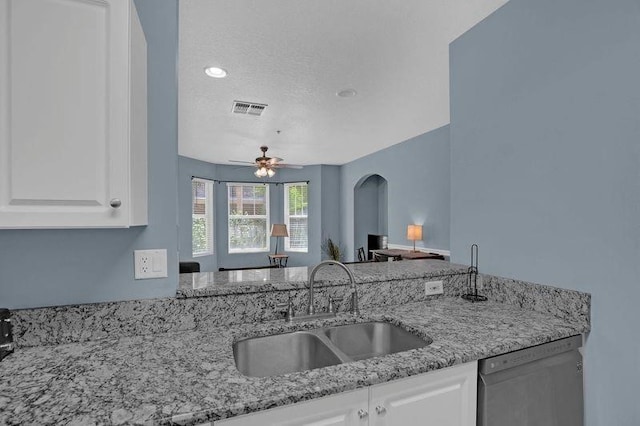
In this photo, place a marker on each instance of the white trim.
(296, 250)
(246, 183)
(244, 251)
(422, 249)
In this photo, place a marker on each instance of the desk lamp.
(414, 232)
(278, 230)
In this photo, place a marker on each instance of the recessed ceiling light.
(215, 72)
(347, 93)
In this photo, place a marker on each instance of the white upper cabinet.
(73, 114)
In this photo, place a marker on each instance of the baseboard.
(445, 253)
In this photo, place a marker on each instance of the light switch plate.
(150, 264)
(433, 287)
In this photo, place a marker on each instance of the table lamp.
(414, 232)
(278, 230)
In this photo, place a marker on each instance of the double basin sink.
(305, 350)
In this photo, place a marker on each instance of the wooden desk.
(279, 260)
(398, 254)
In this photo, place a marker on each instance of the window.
(202, 217)
(248, 217)
(296, 212)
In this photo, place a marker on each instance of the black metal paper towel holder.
(472, 279)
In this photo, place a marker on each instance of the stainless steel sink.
(371, 339)
(282, 353)
(306, 350)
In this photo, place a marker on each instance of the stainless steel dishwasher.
(537, 386)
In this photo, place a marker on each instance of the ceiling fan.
(266, 165)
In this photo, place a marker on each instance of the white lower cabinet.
(335, 410)
(441, 398)
(444, 397)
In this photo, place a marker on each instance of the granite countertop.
(270, 279)
(189, 377)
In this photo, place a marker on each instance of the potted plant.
(332, 250)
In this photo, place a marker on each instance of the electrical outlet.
(150, 264)
(433, 287)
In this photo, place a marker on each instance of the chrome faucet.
(354, 292)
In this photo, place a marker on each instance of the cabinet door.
(440, 398)
(336, 410)
(64, 131)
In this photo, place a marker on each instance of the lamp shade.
(279, 230)
(414, 232)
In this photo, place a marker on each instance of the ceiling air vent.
(248, 108)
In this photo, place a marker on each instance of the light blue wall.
(417, 174)
(383, 207)
(321, 201)
(370, 209)
(545, 169)
(331, 220)
(235, 173)
(57, 267)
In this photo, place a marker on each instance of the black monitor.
(376, 242)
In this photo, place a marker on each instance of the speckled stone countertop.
(262, 280)
(189, 377)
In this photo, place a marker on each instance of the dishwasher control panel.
(516, 358)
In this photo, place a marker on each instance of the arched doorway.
(370, 209)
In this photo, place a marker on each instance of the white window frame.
(208, 216)
(267, 216)
(287, 217)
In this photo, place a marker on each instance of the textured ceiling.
(295, 55)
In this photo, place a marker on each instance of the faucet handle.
(289, 313)
(331, 307)
(355, 310)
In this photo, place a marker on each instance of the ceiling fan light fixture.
(215, 72)
(266, 166)
(263, 172)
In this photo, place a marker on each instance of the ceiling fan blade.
(287, 166)
(274, 161)
(265, 162)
